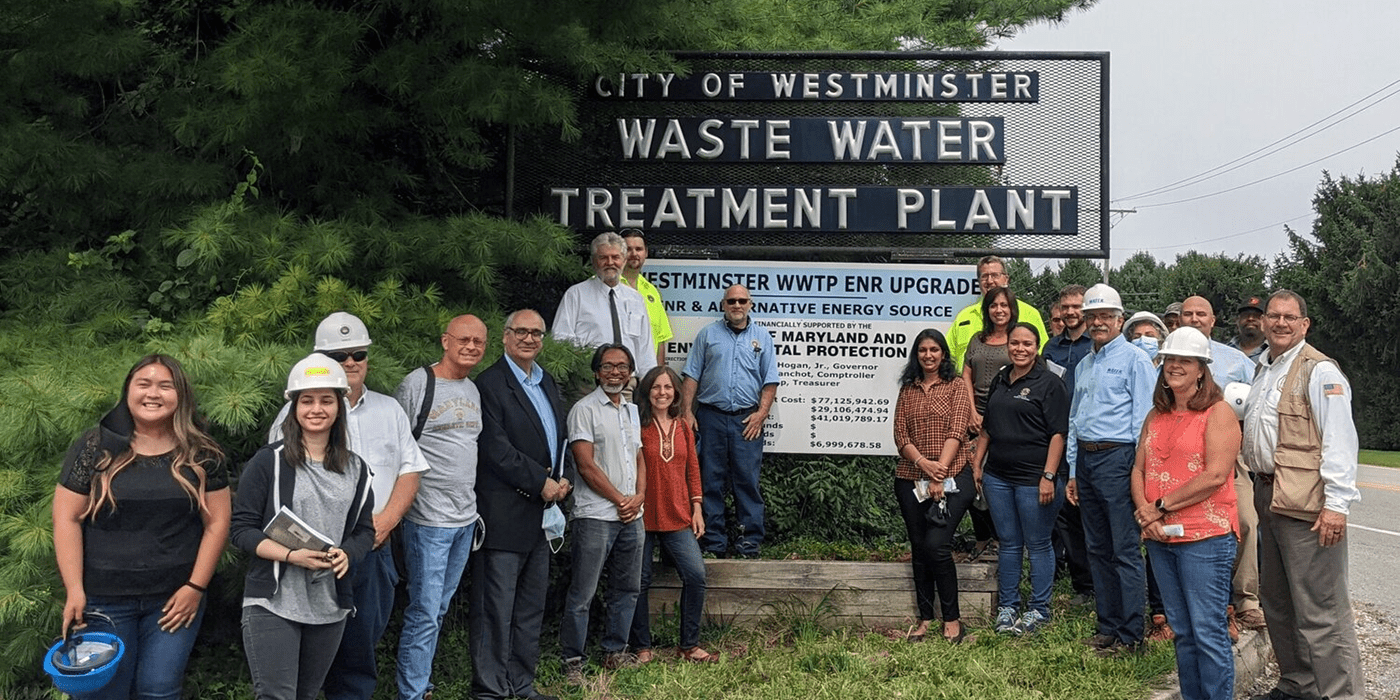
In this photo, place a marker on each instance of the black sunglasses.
(341, 356)
(736, 302)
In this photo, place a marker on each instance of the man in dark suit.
(521, 479)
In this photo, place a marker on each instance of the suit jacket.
(514, 458)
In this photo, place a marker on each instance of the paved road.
(1374, 531)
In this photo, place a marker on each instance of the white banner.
(842, 332)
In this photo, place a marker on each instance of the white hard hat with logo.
(1102, 296)
(316, 371)
(340, 331)
(1237, 395)
(1186, 342)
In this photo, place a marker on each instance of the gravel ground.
(1378, 631)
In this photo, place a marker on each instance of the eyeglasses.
(531, 333)
(1290, 319)
(991, 276)
(609, 368)
(342, 356)
(736, 302)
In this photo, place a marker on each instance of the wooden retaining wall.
(871, 594)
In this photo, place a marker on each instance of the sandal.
(698, 655)
(645, 656)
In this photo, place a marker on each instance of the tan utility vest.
(1298, 456)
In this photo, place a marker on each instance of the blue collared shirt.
(731, 367)
(1067, 353)
(1112, 395)
(1228, 364)
(531, 383)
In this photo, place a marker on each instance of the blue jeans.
(619, 546)
(153, 665)
(355, 671)
(685, 554)
(1114, 541)
(729, 462)
(1024, 526)
(1195, 582)
(436, 556)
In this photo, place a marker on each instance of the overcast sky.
(1196, 84)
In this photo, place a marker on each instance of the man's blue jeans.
(1195, 582)
(1024, 526)
(685, 554)
(436, 558)
(153, 666)
(596, 543)
(729, 462)
(355, 672)
(1114, 541)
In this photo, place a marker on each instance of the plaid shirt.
(926, 419)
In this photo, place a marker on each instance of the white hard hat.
(1141, 316)
(1237, 395)
(315, 371)
(1102, 296)
(340, 331)
(1186, 342)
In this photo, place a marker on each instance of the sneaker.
(1006, 620)
(1030, 621)
(619, 659)
(1160, 631)
(1099, 641)
(573, 671)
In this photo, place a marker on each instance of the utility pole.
(1120, 214)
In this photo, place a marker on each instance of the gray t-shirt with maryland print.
(447, 493)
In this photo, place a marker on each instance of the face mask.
(554, 527)
(1147, 343)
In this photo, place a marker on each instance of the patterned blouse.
(1175, 454)
(928, 418)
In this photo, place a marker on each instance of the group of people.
(449, 471)
(1103, 435)
(1114, 434)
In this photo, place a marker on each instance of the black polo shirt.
(1021, 418)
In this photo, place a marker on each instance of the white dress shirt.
(584, 318)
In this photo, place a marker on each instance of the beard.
(1250, 335)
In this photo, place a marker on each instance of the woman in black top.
(1023, 441)
(140, 516)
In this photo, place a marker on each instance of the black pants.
(1069, 545)
(935, 575)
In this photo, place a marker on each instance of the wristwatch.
(1048, 475)
(1161, 508)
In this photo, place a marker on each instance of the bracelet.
(288, 558)
(197, 587)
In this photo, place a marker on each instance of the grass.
(1380, 458)
(772, 663)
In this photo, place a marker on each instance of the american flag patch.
(1331, 389)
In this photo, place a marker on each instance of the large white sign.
(842, 332)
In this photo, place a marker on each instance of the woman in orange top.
(671, 510)
(1185, 500)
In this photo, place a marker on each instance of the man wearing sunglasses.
(381, 435)
(732, 371)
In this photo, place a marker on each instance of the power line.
(1271, 177)
(1205, 175)
(1233, 235)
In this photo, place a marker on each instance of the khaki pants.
(1303, 587)
(1244, 584)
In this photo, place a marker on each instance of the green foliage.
(1346, 270)
(832, 499)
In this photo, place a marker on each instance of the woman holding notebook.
(296, 598)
